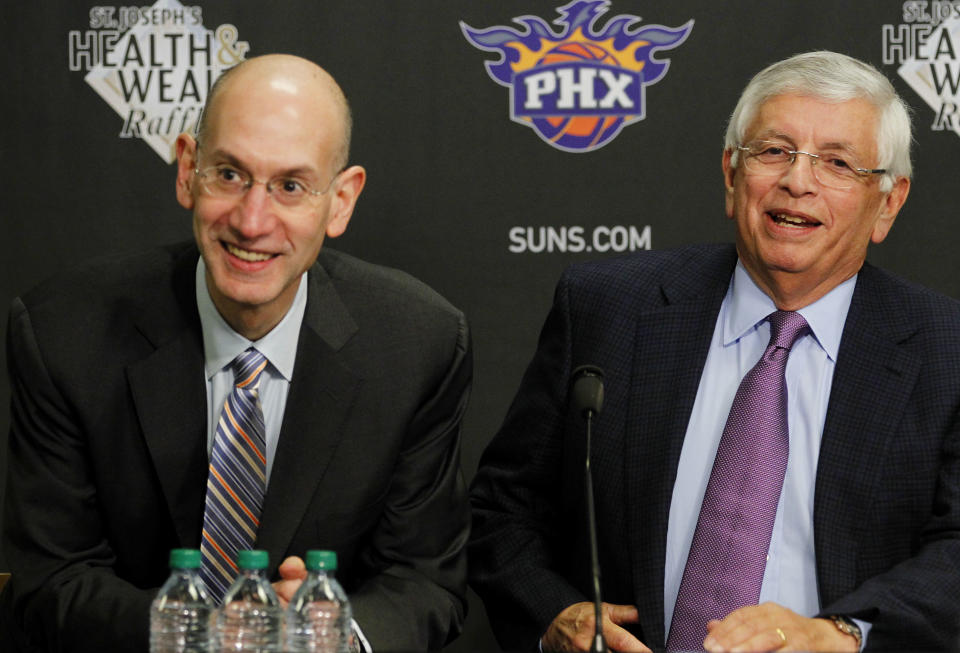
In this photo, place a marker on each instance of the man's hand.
(292, 572)
(574, 630)
(771, 627)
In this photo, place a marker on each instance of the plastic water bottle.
(180, 615)
(319, 616)
(251, 617)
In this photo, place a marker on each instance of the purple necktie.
(237, 477)
(728, 554)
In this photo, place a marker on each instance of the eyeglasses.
(227, 181)
(837, 170)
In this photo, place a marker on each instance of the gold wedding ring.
(783, 637)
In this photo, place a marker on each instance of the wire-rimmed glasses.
(228, 181)
(836, 169)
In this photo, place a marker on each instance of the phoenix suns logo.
(577, 88)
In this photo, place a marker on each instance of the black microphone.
(587, 397)
(588, 390)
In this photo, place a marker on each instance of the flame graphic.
(527, 58)
(579, 17)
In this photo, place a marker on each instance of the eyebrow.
(832, 145)
(297, 171)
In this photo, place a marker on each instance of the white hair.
(832, 77)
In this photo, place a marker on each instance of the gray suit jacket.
(887, 496)
(108, 459)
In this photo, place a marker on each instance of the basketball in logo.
(586, 129)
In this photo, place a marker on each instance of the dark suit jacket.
(887, 496)
(108, 461)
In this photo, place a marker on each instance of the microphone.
(588, 390)
(587, 397)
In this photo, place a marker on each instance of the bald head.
(300, 81)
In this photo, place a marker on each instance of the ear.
(346, 190)
(186, 162)
(728, 173)
(890, 206)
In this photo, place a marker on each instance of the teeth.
(790, 219)
(244, 255)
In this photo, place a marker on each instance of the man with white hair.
(777, 462)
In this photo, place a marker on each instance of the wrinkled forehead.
(811, 122)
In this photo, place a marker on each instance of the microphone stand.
(587, 396)
(599, 644)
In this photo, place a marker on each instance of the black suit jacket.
(108, 461)
(887, 496)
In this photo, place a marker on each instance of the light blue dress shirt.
(739, 339)
(221, 344)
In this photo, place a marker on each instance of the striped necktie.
(728, 554)
(237, 478)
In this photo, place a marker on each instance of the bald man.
(121, 368)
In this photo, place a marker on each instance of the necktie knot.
(247, 368)
(786, 327)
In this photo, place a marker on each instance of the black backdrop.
(450, 175)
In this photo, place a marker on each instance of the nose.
(253, 215)
(800, 178)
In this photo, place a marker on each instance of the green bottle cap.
(317, 560)
(185, 558)
(255, 559)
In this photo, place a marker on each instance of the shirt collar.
(221, 344)
(747, 306)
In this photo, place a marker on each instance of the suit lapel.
(872, 382)
(321, 392)
(169, 397)
(670, 350)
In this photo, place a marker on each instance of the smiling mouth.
(246, 255)
(795, 221)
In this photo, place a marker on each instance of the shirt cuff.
(864, 631)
